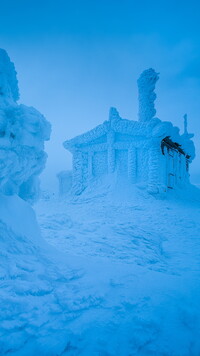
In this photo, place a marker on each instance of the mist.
(76, 60)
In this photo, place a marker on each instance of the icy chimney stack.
(147, 96)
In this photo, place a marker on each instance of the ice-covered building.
(148, 152)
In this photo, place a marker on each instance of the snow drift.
(32, 286)
(139, 256)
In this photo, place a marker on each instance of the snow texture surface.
(139, 286)
(121, 278)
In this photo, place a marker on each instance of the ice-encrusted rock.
(9, 90)
(23, 131)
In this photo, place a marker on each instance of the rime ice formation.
(23, 131)
(28, 267)
(147, 96)
(148, 152)
(9, 92)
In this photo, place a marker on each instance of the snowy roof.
(153, 128)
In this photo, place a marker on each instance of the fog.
(76, 59)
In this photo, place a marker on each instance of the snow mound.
(33, 311)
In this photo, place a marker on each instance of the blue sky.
(75, 59)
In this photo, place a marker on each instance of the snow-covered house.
(149, 151)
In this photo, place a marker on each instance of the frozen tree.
(147, 96)
(23, 131)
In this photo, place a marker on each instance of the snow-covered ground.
(134, 261)
(118, 274)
